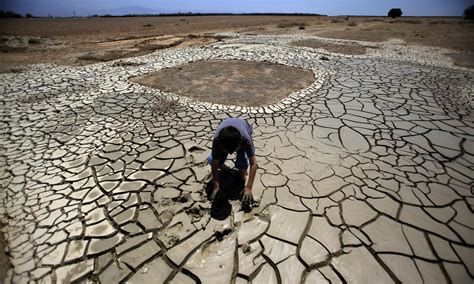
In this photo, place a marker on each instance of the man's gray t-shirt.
(245, 131)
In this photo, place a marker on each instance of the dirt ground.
(80, 41)
(243, 83)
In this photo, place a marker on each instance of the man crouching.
(233, 135)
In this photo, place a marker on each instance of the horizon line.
(226, 14)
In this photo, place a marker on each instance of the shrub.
(34, 41)
(292, 24)
(9, 14)
(301, 27)
(469, 13)
(148, 26)
(395, 12)
(15, 70)
(160, 105)
(375, 20)
(335, 21)
(87, 57)
(8, 49)
(352, 24)
(126, 63)
(28, 16)
(415, 22)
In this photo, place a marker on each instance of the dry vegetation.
(335, 48)
(284, 25)
(160, 105)
(85, 41)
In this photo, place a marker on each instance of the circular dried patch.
(230, 82)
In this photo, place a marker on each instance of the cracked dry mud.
(366, 175)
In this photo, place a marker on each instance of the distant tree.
(395, 12)
(28, 15)
(469, 13)
(9, 14)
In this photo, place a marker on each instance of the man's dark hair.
(229, 139)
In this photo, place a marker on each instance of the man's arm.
(215, 176)
(252, 173)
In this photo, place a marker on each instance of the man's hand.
(247, 200)
(248, 197)
(214, 192)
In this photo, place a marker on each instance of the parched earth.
(230, 82)
(364, 176)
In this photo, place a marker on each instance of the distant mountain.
(40, 9)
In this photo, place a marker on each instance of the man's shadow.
(231, 188)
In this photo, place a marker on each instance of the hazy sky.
(327, 7)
